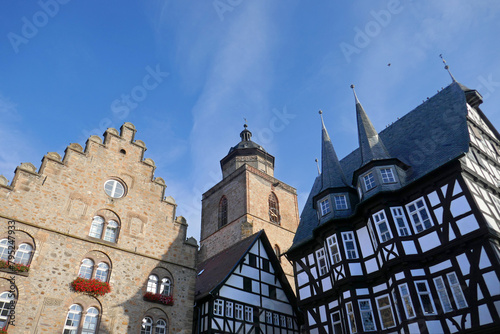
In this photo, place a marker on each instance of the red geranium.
(14, 266)
(159, 298)
(3, 330)
(92, 286)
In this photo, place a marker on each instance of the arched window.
(277, 252)
(152, 284)
(23, 254)
(147, 326)
(4, 249)
(274, 211)
(223, 211)
(73, 319)
(111, 231)
(102, 272)
(86, 268)
(90, 321)
(161, 327)
(165, 287)
(96, 227)
(5, 299)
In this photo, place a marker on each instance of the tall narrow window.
(369, 180)
(86, 268)
(419, 215)
(385, 312)
(351, 318)
(400, 220)
(425, 297)
(152, 284)
(147, 326)
(325, 206)
(4, 249)
(443, 294)
(96, 227)
(73, 319)
(277, 252)
(276, 319)
(248, 313)
(218, 307)
(269, 317)
(229, 309)
(337, 323)
(5, 303)
(111, 231)
(222, 211)
(238, 312)
(333, 249)
(396, 304)
(405, 296)
(365, 309)
(387, 175)
(165, 287)
(351, 251)
(456, 289)
(102, 272)
(161, 327)
(274, 211)
(320, 256)
(23, 254)
(90, 321)
(340, 202)
(382, 226)
(373, 237)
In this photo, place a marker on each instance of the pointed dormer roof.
(332, 175)
(370, 144)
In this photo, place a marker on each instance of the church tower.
(248, 199)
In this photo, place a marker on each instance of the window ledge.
(20, 273)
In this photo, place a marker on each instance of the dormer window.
(325, 206)
(369, 180)
(387, 175)
(340, 202)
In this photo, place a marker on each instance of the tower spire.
(370, 144)
(446, 67)
(332, 175)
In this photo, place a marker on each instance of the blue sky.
(70, 69)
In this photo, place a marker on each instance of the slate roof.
(425, 139)
(332, 175)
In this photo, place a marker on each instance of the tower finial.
(317, 165)
(245, 125)
(355, 96)
(446, 67)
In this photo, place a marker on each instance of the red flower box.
(159, 298)
(3, 330)
(14, 267)
(92, 286)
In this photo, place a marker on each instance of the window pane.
(23, 254)
(86, 269)
(96, 227)
(102, 272)
(152, 284)
(147, 326)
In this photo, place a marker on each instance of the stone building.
(403, 234)
(98, 213)
(248, 199)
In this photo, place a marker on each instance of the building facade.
(403, 234)
(96, 217)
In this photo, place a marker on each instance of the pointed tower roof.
(370, 144)
(332, 175)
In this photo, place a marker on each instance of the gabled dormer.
(378, 171)
(336, 197)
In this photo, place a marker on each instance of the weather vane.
(246, 125)
(446, 67)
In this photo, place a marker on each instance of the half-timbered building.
(243, 289)
(402, 235)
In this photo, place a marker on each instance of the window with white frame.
(321, 258)
(90, 321)
(276, 319)
(400, 220)
(5, 302)
(218, 307)
(425, 297)
(369, 181)
(289, 322)
(146, 326)
(248, 313)
(4, 249)
(419, 215)
(351, 318)
(283, 321)
(96, 227)
(101, 272)
(340, 202)
(161, 327)
(373, 237)
(337, 323)
(238, 311)
(114, 189)
(165, 287)
(111, 231)
(456, 289)
(387, 175)
(23, 254)
(383, 228)
(366, 313)
(269, 317)
(385, 311)
(325, 206)
(86, 269)
(229, 309)
(405, 297)
(351, 251)
(109, 228)
(333, 249)
(443, 294)
(152, 284)
(73, 319)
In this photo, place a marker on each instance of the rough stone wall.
(56, 205)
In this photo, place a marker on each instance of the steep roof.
(425, 139)
(332, 175)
